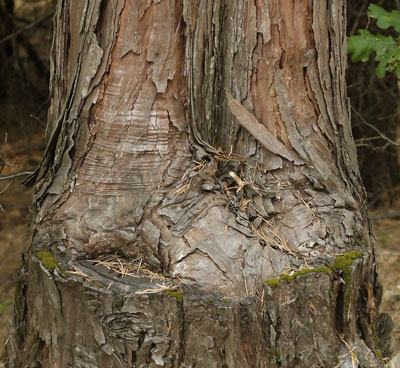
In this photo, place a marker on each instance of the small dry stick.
(12, 176)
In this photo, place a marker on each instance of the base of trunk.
(91, 318)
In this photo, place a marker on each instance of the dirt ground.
(15, 201)
(14, 213)
(387, 232)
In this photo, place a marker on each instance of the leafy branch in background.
(386, 48)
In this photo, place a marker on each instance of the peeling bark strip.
(248, 121)
(241, 227)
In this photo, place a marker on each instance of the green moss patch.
(341, 265)
(98, 284)
(274, 356)
(348, 257)
(376, 343)
(48, 260)
(276, 281)
(117, 305)
(176, 294)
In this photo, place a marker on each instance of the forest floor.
(14, 216)
(387, 232)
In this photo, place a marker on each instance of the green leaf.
(386, 48)
(384, 18)
(361, 46)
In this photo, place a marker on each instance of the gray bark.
(208, 144)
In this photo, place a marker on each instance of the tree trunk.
(199, 203)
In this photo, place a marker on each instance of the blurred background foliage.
(25, 41)
(375, 110)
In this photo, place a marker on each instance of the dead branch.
(393, 143)
(12, 176)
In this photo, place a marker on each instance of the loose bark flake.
(250, 123)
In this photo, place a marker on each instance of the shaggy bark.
(208, 143)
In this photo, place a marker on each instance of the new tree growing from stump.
(203, 150)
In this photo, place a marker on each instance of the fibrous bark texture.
(206, 143)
